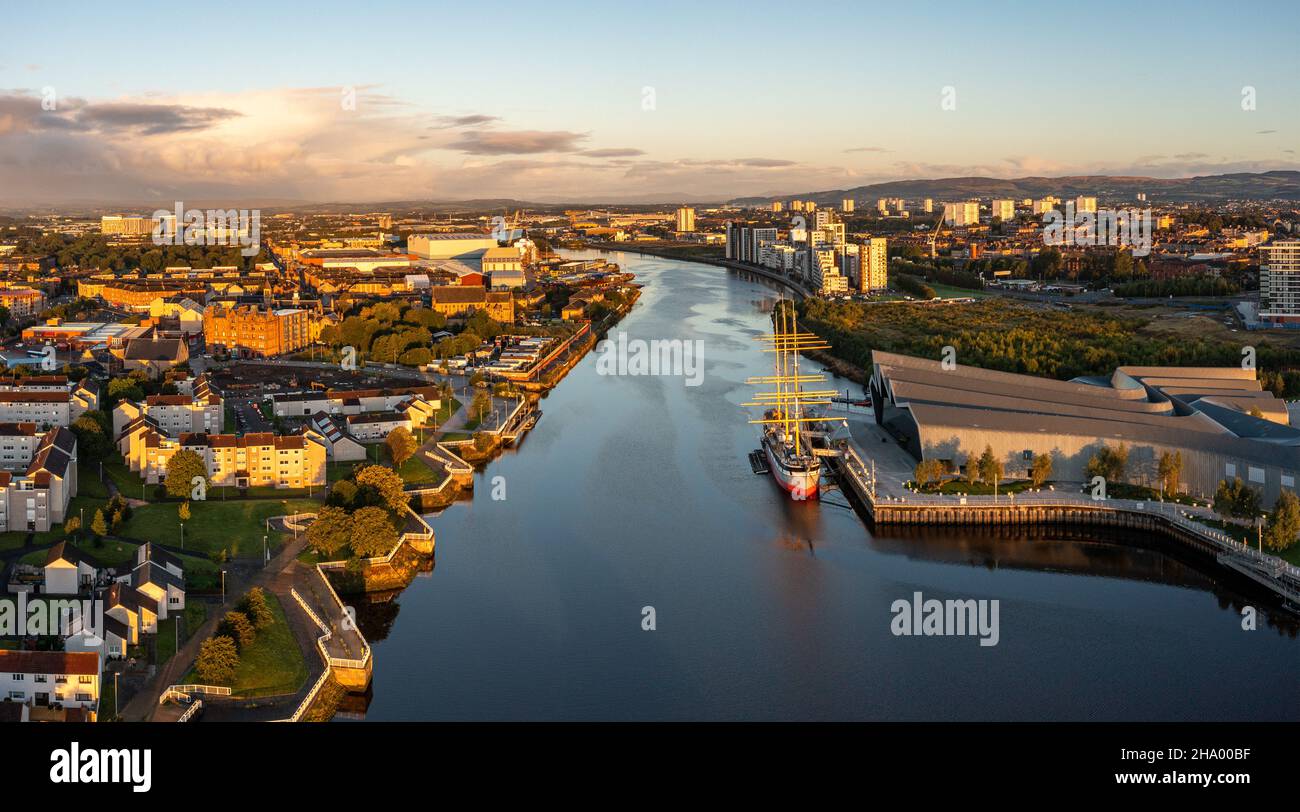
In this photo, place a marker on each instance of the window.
(42, 678)
(1255, 474)
(85, 680)
(19, 677)
(1229, 469)
(83, 697)
(1288, 481)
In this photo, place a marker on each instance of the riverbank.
(637, 492)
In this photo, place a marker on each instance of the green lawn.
(127, 481)
(196, 613)
(273, 664)
(414, 470)
(228, 424)
(112, 553)
(88, 483)
(236, 525)
(166, 642)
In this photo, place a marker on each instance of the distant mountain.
(1277, 185)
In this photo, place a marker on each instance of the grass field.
(112, 553)
(273, 664)
(127, 481)
(236, 526)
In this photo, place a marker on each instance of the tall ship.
(786, 439)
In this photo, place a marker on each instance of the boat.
(787, 441)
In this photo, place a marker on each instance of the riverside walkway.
(873, 468)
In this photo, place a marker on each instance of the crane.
(934, 234)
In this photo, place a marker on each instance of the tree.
(386, 484)
(257, 608)
(372, 532)
(342, 494)
(1109, 463)
(182, 468)
(98, 525)
(92, 442)
(401, 445)
(71, 525)
(1283, 525)
(989, 466)
(238, 627)
(184, 511)
(1170, 471)
(218, 660)
(1236, 499)
(928, 471)
(1041, 469)
(481, 403)
(331, 531)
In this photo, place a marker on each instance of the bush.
(218, 660)
(256, 607)
(238, 627)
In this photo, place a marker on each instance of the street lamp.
(223, 587)
(182, 535)
(115, 711)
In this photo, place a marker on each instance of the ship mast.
(789, 398)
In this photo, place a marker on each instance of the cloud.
(23, 113)
(473, 120)
(516, 142)
(1190, 156)
(1265, 132)
(616, 152)
(867, 149)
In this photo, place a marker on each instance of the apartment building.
(1003, 209)
(251, 461)
(685, 219)
(1279, 282)
(22, 302)
(258, 331)
(45, 403)
(202, 410)
(36, 499)
(961, 214)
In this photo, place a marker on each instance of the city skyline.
(606, 104)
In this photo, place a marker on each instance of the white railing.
(1174, 513)
(190, 711)
(182, 692)
(292, 521)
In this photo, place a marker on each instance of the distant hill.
(1277, 185)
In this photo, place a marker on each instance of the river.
(635, 492)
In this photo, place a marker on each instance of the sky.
(664, 101)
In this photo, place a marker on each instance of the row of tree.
(219, 655)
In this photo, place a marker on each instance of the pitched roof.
(49, 662)
(66, 552)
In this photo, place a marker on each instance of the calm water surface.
(635, 491)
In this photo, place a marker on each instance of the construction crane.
(934, 234)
